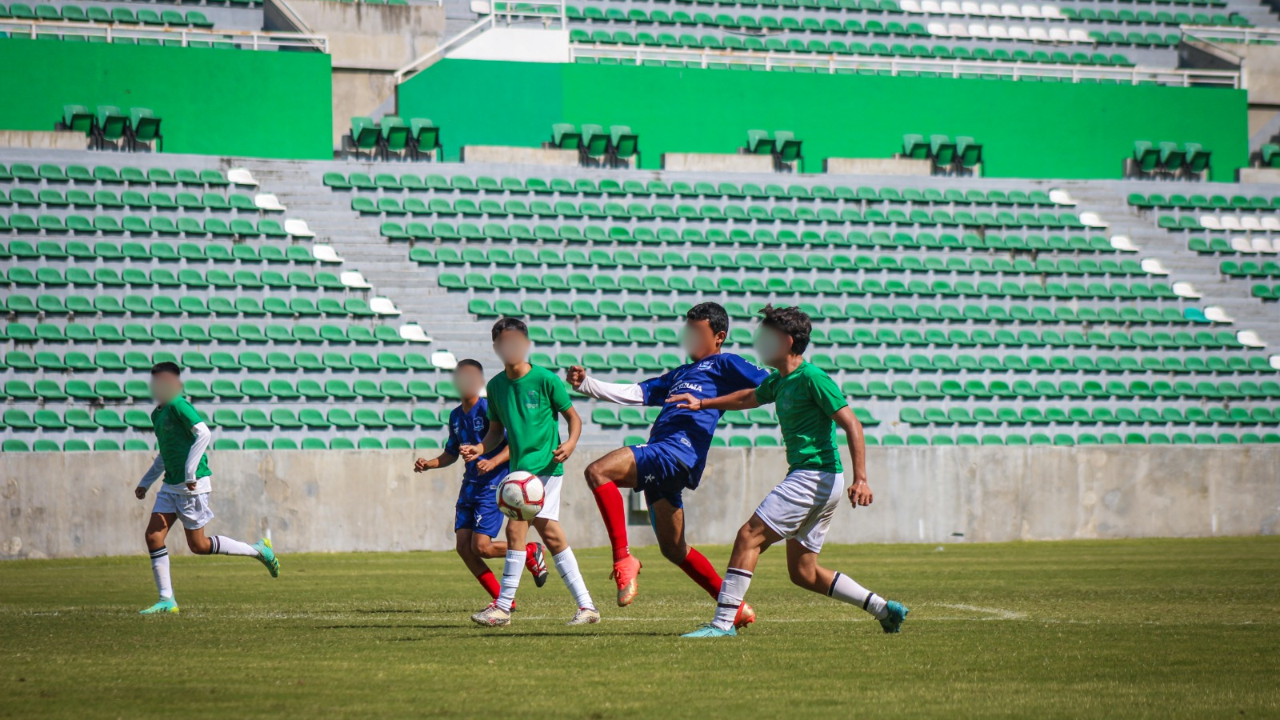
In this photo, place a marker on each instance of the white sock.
(223, 545)
(511, 570)
(732, 589)
(844, 589)
(567, 566)
(160, 569)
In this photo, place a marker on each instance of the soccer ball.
(520, 495)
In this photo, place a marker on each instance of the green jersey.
(527, 408)
(173, 423)
(806, 399)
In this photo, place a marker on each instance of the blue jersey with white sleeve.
(469, 428)
(713, 376)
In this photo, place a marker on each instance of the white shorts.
(193, 509)
(801, 506)
(550, 497)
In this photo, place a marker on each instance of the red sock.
(697, 566)
(609, 500)
(490, 583)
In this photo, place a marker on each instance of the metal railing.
(834, 64)
(299, 25)
(243, 39)
(1226, 34)
(510, 13)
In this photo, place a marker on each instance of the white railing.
(243, 39)
(299, 25)
(1228, 34)
(424, 61)
(898, 65)
(510, 13)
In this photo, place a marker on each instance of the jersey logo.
(687, 386)
(685, 441)
(705, 365)
(478, 423)
(532, 399)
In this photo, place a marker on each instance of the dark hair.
(470, 363)
(506, 324)
(166, 367)
(789, 321)
(713, 313)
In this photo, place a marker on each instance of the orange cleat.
(746, 616)
(625, 572)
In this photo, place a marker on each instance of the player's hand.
(485, 465)
(860, 493)
(420, 465)
(140, 492)
(686, 401)
(563, 452)
(191, 487)
(470, 452)
(574, 375)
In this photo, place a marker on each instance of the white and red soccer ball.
(520, 495)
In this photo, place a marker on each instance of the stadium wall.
(1028, 129)
(77, 504)
(273, 104)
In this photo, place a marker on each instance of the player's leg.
(195, 513)
(499, 613)
(157, 530)
(548, 525)
(802, 560)
(604, 477)
(464, 542)
(667, 514)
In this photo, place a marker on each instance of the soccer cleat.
(267, 556)
(709, 630)
(746, 616)
(492, 616)
(892, 622)
(166, 605)
(585, 616)
(536, 563)
(625, 573)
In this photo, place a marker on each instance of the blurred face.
(512, 347)
(772, 346)
(165, 387)
(468, 381)
(698, 340)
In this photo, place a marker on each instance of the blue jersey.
(719, 374)
(469, 428)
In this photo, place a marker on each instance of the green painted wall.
(213, 102)
(1028, 129)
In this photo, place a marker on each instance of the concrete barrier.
(80, 504)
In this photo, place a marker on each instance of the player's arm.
(859, 491)
(492, 439)
(149, 478)
(485, 465)
(444, 459)
(744, 399)
(567, 447)
(203, 436)
(620, 393)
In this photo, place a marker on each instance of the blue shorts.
(477, 509)
(663, 469)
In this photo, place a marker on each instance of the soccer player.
(182, 438)
(524, 401)
(676, 453)
(799, 509)
(476, 516)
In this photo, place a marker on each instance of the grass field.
(1152, 628)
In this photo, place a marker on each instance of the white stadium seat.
(1123, 243)
(325, 253)
(1241, 244)
(1249, 338)
(1091, 219)
(241, 176)
(298, 228)
(1186, 290)
(413, 332)
(353, 279)
(1152, 266)
(383, 306)
(1218, 315)
(444, 360)
(267, 201)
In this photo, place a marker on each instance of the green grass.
(1151, 628)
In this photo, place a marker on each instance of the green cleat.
(166, 605)
(267, 556)
(708, 630)
(892, 622)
